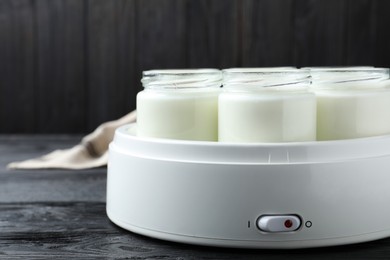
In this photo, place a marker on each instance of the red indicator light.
(288, 223)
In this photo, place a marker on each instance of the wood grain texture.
(319, 33)
(60, 54)
(361, 32)
(268, 32)
(46, 185)
(213, 33)
(128, 79)
(111, 86)
(61, 214)
(160, 35)
(382, 39)
(102, 64)
(81, 230)
(18, 63)
(69, 65)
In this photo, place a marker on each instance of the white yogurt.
(179, 104)
(345, 115)
(267, 118)
(266, 106)
(352, 102)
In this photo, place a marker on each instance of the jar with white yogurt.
(179, 104)
(266, 105)
(352, 102)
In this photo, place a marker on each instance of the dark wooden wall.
(68, 65)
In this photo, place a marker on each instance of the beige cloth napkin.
(91, 152)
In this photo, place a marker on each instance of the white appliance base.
(250, 244)
(292, 195)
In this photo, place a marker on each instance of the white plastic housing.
(211, 193)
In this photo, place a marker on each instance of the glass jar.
(179, 104)
(266, 105)
(352, 102)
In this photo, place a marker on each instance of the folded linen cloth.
(90, 153)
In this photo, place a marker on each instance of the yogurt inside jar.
(179, 104)
(266, 105)
(352, 102)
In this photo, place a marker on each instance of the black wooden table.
(60, 214)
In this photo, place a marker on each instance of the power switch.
(278, 223)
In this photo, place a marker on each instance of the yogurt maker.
(254, 195)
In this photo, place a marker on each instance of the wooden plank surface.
(319, 33)
(267, 33)
(58, 214)
(161, 35)
(128, 78)
(45, 185)
(213, 34)
(382, 41)
(61, 72)
(361, 32)
(69, 65)
(18, 66)
(101, 51)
